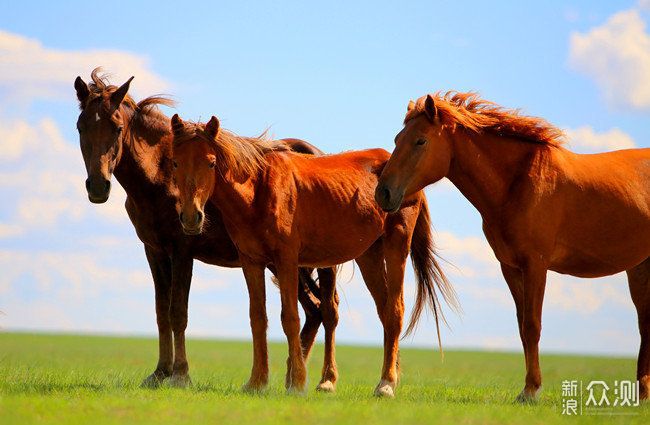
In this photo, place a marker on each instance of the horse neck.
(146, 153)
(234, 196)
(484, 167)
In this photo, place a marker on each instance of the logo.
(599, 398)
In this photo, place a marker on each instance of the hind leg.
(396, 244)
(309, 297)
(371, 265)
(329, 309)
(639, 281)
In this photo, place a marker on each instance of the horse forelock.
(101, 88)
(470, 112)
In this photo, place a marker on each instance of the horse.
(543, 206)
(289, 209)
(133, 141)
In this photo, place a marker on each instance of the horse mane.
(241, 155)
(143, 111)
(470, 112)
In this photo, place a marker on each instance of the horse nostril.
(87, 184)
(200, 214)
(107, 183)
(386, 194)
(181, 217)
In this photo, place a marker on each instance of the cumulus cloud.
(616, 55)
(585, 139)
(29, 70)
(42, 172)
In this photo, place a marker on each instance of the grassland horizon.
(63, 378)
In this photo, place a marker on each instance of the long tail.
(429, 275)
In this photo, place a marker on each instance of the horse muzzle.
(98, 189)
(192, 225)
(388, 200)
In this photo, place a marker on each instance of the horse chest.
(503, 250)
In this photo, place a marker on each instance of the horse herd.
(197, 191)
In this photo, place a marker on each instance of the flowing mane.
(476, 115)
(144, 111)
(243, 155)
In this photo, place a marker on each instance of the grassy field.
(94, 380)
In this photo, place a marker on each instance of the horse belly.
(608, 257)
(331, 245)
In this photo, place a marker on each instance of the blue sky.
(339, 77)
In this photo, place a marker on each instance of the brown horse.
(543, 207)
(133, 141)
(290, 209)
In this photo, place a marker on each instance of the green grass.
(95, 380)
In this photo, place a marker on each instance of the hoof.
(297, 391)
(179, 381)
(152, 381)
(253, 387)
(385, 389)
(527, 396)
(326, 387)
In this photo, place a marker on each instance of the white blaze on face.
(96, 116)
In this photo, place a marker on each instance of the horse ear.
(212, 127)
(82, 89)
(411, 106)
(430, 107)
(118, 95)
(177, 125)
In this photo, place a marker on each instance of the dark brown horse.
(288, 209)
(543, 207)
(133, 141)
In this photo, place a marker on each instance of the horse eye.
(421, 141)
(174, 164)
(212, 164)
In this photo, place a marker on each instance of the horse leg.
(371, 265)
(254, 274)
(288, 277)
(515, 281)
(309, 298)
(534, 276)
(639, 281)
(160, 266)
(182, 264)
(329, 308)
(396, 244)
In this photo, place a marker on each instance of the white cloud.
(42, 172)
(29, 70)
(585, 139)
(616, 55)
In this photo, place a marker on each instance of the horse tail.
(429, 275)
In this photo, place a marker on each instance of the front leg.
(534, 274)
(182, 264)
(254, 274)
(161, 270)
(288, 277)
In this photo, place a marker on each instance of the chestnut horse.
(543, 207)
(289, 209)
(133, 141)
